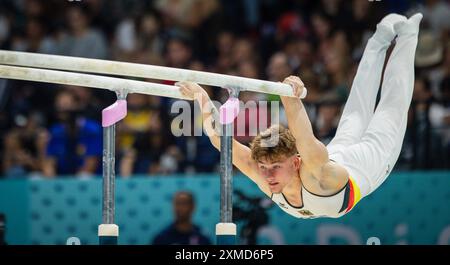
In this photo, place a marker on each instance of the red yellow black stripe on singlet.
(352, 196)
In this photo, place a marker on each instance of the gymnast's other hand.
(191, 90)
(296, 83)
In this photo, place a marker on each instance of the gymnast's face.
(279, 173)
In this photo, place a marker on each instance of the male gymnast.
(304, 177)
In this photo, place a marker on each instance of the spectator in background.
(290, 29)
(75, 145)
(178, 51)
(425, 138)
(435, 14)
(204, 21)
(194, 152)
(140, 119)
(336, 66)
(362, 17)
(24, 147)
(191, 153)
(432, 48)
(198, 156)
(5, 30)
(35, 39)
(34, 8)
(440, 111)
(182, 231)
(254, 115)
(175, 13)
(139, 40)
(306, 55)
(148, 40)
(243, 50)
(322, 31)
(186, 14)
(178, 54)
(27, 97)
(315, 93)
(147, 156)
(250, 69)
(328, 114)
(136, 133)
(90, 105)
(336, 10)
(170, 161)
(278, 67)
(332, 52)
(82, 40)
(224, 47)
(440, 119)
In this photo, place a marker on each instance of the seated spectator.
(440, 113)
(140, 119)
(169, 162)
(224, 47)
(243, 51)
(192, 150)
(278, 67)
(336, 66)
(423, 137)
(24, 147)
(182, 231)
(254, 114)
(178, 50)
(315, 93)
(139, 40)
(137, 133)
(34, 39)
(89, 101)
(5, 30)
(82, 40)
(150, 154)
(75, 145)
(435, 14)
(439, 73)
(327, 119)
(440, 119)
(199, 154)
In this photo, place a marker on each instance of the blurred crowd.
(54, 130)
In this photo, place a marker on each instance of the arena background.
(46, 197)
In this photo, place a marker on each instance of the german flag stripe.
(346, 197)
(354, 195)
(351, 197)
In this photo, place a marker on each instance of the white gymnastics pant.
(368, 142)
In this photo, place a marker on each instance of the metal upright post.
(226, 229)
(226, 178)
(108, 232)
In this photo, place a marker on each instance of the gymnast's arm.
(314, 154)
(241, 154)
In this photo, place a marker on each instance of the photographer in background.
(252, 211)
